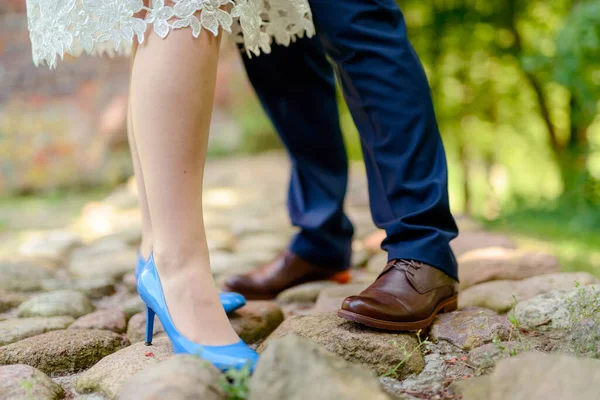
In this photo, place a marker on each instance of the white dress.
(57, 27)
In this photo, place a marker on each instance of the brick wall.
(67, 126)
(59, 127)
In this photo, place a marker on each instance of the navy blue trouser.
(388, 95)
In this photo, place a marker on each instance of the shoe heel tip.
(148, 343)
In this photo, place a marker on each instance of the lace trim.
(109, 26)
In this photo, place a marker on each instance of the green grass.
(571, 235)
(235, 383)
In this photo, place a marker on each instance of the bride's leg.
(146, 245)
(173, 83)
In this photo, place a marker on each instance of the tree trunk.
(579, 186)
(465, 169)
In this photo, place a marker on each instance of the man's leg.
(296, 87)
(389, 97)
(388, 94)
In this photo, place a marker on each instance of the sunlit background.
(515, 84)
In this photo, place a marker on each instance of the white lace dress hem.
(59, 27)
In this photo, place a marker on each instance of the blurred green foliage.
(516, 87)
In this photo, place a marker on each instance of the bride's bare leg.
(146, 245)
(172, 91)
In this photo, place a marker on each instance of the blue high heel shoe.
(233, 356)
(231, 301)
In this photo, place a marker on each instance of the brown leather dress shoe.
(406, 296)
(288, 270)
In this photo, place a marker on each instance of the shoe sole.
(340, 277)
(448, 305)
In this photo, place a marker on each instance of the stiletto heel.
(149, 325)
(231, 301)
(232, 356)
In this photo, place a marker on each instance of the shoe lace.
(408, 266)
